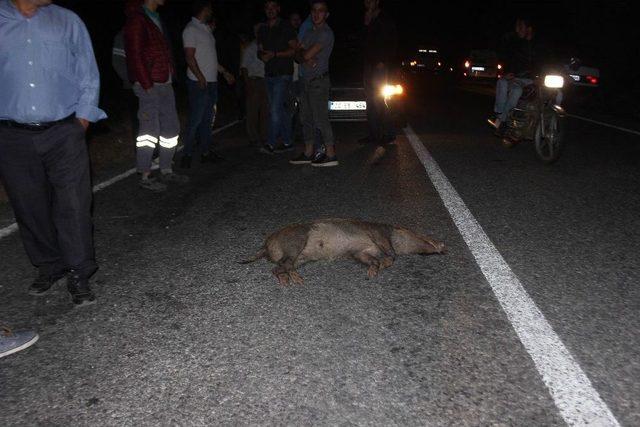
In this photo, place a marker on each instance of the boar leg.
(285, 273)
(369, 260)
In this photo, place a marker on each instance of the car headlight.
(553, 81)
(389, 91)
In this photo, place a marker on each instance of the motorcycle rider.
(519, 62)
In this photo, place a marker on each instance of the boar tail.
(261, 254)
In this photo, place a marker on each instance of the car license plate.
(347, 105)
(477, 68)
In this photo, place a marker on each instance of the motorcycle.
(538, 118)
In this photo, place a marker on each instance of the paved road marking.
(578, 402)
(620, 128)
(7, 231)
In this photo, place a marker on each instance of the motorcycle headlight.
(389, 91)
(553, 81)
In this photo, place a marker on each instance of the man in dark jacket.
(380, 44)
(151, 70)
(277, 43)
(518, 56)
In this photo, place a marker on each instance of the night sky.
(603, 34)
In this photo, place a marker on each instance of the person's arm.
(290, 52)
(189, 43)
(134, 42)
(86, 71)
(192, 63)
(226, 74)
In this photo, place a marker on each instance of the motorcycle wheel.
(548, 144)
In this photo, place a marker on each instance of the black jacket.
(380, 41)
(519, 56)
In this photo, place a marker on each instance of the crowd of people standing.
(51, 101)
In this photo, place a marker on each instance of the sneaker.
(80, 291)
(185, 162)
(302, 159)
(152, 184)
(495, 122)
(267, 149)
(283, 148)
(174, 178)
(43, 284)
(13, 342)
(325, 161)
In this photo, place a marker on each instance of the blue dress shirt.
(47, 67)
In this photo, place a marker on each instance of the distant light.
(439, 64)
(433, 51)
(467, 64)
(422, 50)
(499, 66)
(554, 81)
(592, 79)
(413, 63)
(450, 68)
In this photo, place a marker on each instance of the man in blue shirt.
(49, 85)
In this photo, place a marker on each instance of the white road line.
(631, 131)
(9, 230)
(578, 402)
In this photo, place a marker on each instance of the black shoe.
(302, 159)
(325, 161)
(390, 139)
(267, 149)
(282, 148)
(211, 157)
(80, 291)
(43, 284)
(185, 162)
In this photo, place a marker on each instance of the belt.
(35, 127)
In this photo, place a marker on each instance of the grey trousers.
(46, 175)
(159, 125)
(314, 108)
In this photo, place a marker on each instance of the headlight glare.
(553, 81)
(389, 91)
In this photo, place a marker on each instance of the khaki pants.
(257, 110)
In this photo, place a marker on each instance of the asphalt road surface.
(184, 335)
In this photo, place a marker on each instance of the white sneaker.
(13, 342)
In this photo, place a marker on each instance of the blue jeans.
(202, 103)
(508, 93)
(280, 120)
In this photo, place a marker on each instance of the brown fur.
(372, 244)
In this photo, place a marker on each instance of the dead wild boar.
(372, 244)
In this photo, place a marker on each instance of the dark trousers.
(46, 175)
(314, 101)
(378, 115)
(202, 104)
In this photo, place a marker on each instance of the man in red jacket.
(151, 70)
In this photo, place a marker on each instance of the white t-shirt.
(199, 36)
(250, 61)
